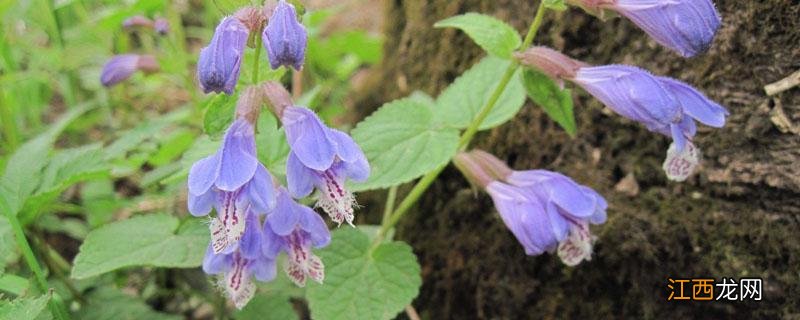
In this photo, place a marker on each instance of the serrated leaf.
(402, 141)
(219, 114)
(149, 240)
(23, 309)
(460, 103)
(268, 307)
(493, 35)
(361, 283)
(556, 102)
(557, 5)
(111, 304)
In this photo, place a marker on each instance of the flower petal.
(284, 219)
(312, 223)
(308, 138)
(264, 269)
(250, 245)
(299, 178)
(237, 157)
(215, 263)
(261, 191)
(695, 104)
(203, 174)
(271, 243)
(201, 205)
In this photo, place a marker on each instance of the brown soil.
(739, 217)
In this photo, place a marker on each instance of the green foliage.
(494, 36)
(403, 140)
(107, 303)
(555, 101)
(460, 103)
(150, 240)
(557, 5)
(362, 282)
(24, 308)
(267, 306)
(219, 114)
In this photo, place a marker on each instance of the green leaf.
(13, 284)
(557, 5)
(273, 148)
(23, 309)
(268, 307)
(495, 36)
(149, 240)
(556, 102)
(460, 103)
(219, 114)
(228, 7)
(8, 246)
(361, 283)
(172, 146)
(111, 304)
(402, 141)
(203, 147)
(24, 167)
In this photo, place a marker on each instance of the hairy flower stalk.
(686, 26)
(294, 228)
(219, 63)
(546, 211)
(664, 105)
(232, 181)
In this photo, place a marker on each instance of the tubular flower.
(546, 211)
(285, 38)
(219, 62)
(322, 158)
(233, 182)
(663, 105)
(241, 266)
(686, 26)
(294, 229)
(121, 67)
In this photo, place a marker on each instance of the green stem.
(257, 59)
(425, 182)
(390, 200)
(56, 305)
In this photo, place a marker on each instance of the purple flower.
(548, 211)
(233, 182)
(285, 38)
(119, 68)
(219, 62)
(241, 266)
(686, 26)
(664, 105)
(137, 21)
(294, 229)
(322, 158)
(161, 26)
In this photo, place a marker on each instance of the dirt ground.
(738, 217)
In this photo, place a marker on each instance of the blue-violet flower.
(121, 67)
(285, 38)
(322, 158)
(219, 62)
(294, 228)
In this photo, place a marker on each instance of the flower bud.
(119, 68)
(552, 63)
(137, 22)
(472, 170)
(252, 17)
(218, 66)
(161, 26)
(285, 38)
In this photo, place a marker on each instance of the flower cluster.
(256, 219)
(662, 104)
(546, 211)
(284, 38)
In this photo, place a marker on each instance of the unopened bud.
(161, 26)
(554, 64)
(248, 106)
(137, 22)
(278, 97)
(148, 64)
(254, 19)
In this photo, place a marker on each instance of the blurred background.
(93, 155)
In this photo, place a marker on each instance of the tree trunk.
(738, 217)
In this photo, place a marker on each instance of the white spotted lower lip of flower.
(324, 159)
(233, 182)
(295, 229)
(679, 165)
